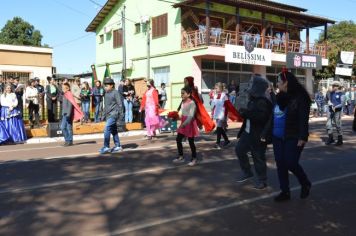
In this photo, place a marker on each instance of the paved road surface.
(46, 189)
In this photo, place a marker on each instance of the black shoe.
(226, 143)
(330, 140)
(282, 196)
(244, 177)
(339, 141)
(260, 185)
(305, 191)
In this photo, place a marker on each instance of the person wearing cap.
(32, 102)
(336, 100)
(113, 112)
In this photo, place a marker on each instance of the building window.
(101, 38)
(161, 75)
(137, 28)
(117, 42)
(160, 26)
(24, 77)
(117, 78)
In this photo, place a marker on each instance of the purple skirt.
(4, 135)
(13, 124)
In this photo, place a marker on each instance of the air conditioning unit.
(107, 29)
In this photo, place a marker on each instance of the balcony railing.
(218, 37)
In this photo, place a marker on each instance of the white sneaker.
(193, 162)
(178, 160)
(117, 149)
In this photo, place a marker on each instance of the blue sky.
(63, 22)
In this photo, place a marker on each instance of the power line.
(71, 8)
(100, 5)
(73, 40)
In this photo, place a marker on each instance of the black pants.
(246, 143)
(221, 132)
(33, 110)
(52, 110)
(191, 144)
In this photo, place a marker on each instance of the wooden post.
(263, 32)
(237, 30)
(307, 40)
(286, 37)
(207, 21)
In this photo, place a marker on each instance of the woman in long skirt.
(150, 105)
(11, 116)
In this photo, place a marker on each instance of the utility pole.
(148, 47)
(123, 72)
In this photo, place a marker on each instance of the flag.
(94, 76)
(107, 71)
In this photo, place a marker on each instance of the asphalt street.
(46, 189)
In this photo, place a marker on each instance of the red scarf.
(78, 114)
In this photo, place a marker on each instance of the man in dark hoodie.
(256, 115)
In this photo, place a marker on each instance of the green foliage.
(19, 32)
(341, 37)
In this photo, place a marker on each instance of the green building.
(211, 40)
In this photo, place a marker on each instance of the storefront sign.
(345, 66)
(248, 55)
(303, 61)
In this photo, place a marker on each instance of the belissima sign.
(248, 55)
(303, 61)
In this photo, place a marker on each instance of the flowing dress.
(11, 119)
(150, 105)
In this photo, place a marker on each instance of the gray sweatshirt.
(113, 104)
(67, 107)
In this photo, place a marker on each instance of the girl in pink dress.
(150, 105)
(188, 127)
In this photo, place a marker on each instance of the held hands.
(301, 143)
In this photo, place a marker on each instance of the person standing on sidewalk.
(319, 100)
(113, 111)
(335, 104)
(98, 95)
(188, 127)
(290, 133)
(129, 94)
(70, 111)
(32, 103)
(256, 115)
(52, 93)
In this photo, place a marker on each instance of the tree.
(19, 32)
(341, 37)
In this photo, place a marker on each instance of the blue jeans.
(85, 109)
(232, 99)
(111, 128)
(287, 155)
(67, 130)
(98, 110)
(128, 111)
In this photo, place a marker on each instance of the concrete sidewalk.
(232, 125)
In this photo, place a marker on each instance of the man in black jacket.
(252, 133)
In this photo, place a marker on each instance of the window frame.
(160, 26)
